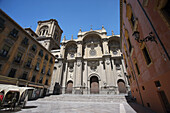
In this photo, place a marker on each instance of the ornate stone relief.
(78, 64)
(93, 64)
(92, 52)
(114, 51)
(107, 61)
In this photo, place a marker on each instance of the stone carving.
(78, 64)
(107, 61)
(92, 52)
(59, 65)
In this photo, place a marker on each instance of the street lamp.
(150, 37)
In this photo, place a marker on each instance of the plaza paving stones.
(79, 104)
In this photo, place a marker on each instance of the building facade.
(23, 61)
(90, 64)
(145, 26)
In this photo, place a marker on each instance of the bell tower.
(49, 34)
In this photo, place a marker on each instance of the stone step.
(86, 98)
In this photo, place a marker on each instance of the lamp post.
(150, 37)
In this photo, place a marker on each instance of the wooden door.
(94, 85)
(121, 87)
(164, 101)
(69, 87)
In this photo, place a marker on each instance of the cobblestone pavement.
(79, 104)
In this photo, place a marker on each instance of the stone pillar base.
(63, 89)
(78, 90)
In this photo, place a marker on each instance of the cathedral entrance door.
(94, 85)
(121, 86)
(69, 87)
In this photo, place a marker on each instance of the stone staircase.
(86, 98)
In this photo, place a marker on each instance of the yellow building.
(23, 60)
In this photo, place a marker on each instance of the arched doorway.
(94, 85)
(121, 86)
(69, 87)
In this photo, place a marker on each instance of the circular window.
(72, 55)
(92, 52)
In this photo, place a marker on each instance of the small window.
(37, 66)
(12, 73)
(46, 82)
(166, 10)
(43, 70)
(25, 41)
(157, 84)
(43, 32)
(56, 56)
(143, 87)
(34, 47)
(55, 67)
(46, 57)
(48, 73)
(4, 51)
(41, 79)
(28, 64)
(24, 76)
(146, 55)
(130, 45)
(2, 22)
(33, 78)
(14, 33)
(18, 58)
(136, 90)
(137, 68)
(148, 105)
(51, 60)
(132, 20)
(0, 66)
(41, 53)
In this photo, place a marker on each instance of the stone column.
(85, 77)
(78, 77)
(59, 72)
(109, 75)
(115, 77)
(64, 78)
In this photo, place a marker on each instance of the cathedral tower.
(49, 34)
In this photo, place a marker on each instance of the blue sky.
(70, 14)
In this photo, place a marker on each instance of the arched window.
(43, 30)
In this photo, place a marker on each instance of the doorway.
(69, 87)
(121, 86)
(164, 101)
(94, 85)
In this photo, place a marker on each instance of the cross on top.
(91, 27)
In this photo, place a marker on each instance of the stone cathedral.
(92, 63)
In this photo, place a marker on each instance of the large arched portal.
(69, 87)
(121, 86)
(94, 85)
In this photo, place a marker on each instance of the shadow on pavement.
(137, 107)
(29, 107)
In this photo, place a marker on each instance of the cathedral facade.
(90, 64)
